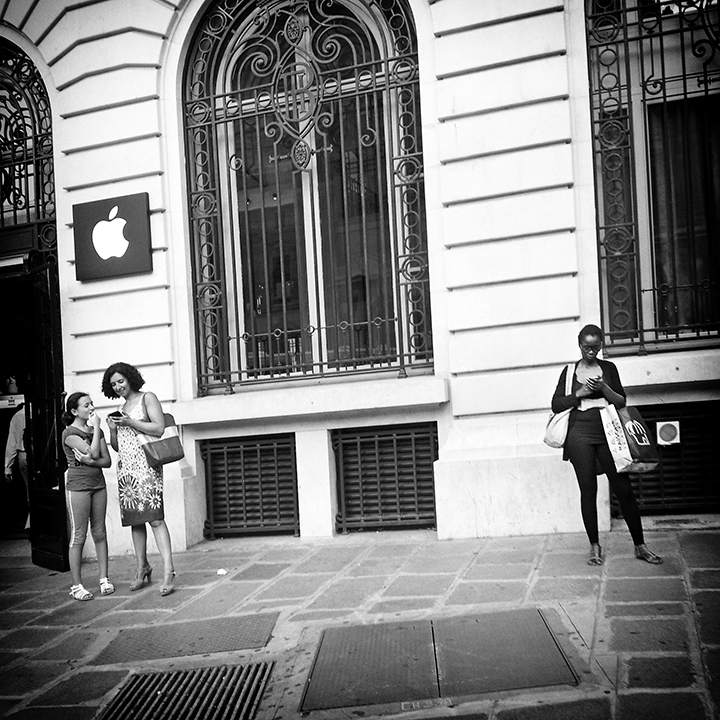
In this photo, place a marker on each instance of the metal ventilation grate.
(385, 476)
(251, 485)
(217, 693)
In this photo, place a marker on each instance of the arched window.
(26, 152)
(305, 191)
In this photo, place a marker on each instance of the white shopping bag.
(615, 435)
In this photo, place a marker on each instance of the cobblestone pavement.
(644, 640)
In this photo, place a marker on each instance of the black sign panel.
(112, 237)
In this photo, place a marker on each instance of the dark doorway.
(34, 501)
(31, 363)
(14, 507)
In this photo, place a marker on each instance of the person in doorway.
(15, 452)
(140, 486)
(87, 454)
(595, 384)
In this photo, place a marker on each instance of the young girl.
(87, 453)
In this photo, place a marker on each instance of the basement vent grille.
(226, 692)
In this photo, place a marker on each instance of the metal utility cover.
(372, 665)
(425, 660)
(498, 651)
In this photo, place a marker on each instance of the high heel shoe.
(141, 577)
(168, 588)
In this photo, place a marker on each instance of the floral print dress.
(140, 486)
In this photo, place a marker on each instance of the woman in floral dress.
(140, 486)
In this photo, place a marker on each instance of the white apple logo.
(108, 238)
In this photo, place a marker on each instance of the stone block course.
(660, 672)
(645, 589)
(633, 635)
(661, 706)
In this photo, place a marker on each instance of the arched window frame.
(229, 351)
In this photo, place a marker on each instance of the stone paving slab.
(81, 688)
(634, 568)
(79, 613)
(592, 709)
(471, 593)
(645, 609)
(701, 549)
(707, 603)
(261, 571)
(661, 706)
(645, 589)
(559, 564)
(17, 681)
(486, 571)
(660, 672)
(377, 566)
(29, 637)
(705, 579)
(350, 593)
(659, 635)
(216, 602)
(294, 586)
(564, 588)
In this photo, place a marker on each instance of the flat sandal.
(596, 557)
(643, 553)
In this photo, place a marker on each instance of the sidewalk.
(643, 640)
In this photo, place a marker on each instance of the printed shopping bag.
(630, 442)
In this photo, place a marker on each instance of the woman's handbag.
(630, 442)
(557, 426)
(164, 449)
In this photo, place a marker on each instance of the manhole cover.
(431, 659)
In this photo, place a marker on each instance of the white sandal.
(80, 593)
(106, 587)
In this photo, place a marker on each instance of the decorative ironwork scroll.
(305, 186)
(655, 84)
(26, 150)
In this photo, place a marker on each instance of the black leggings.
(584, 458)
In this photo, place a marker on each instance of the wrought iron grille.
(251, 485)
(655, 94)
(306, 191)
(26, 149)
(385, 477)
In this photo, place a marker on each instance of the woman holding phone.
(596, 383)
(140, 486)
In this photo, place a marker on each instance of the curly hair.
(592, 330)
(129, 372)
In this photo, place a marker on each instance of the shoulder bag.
(164, 449)
(557, 426)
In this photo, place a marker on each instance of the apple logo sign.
(108, 238)
(112, 237)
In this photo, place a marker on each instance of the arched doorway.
(29, 293)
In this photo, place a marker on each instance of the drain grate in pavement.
(425, 660)
(227, 692)
(195, 637)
